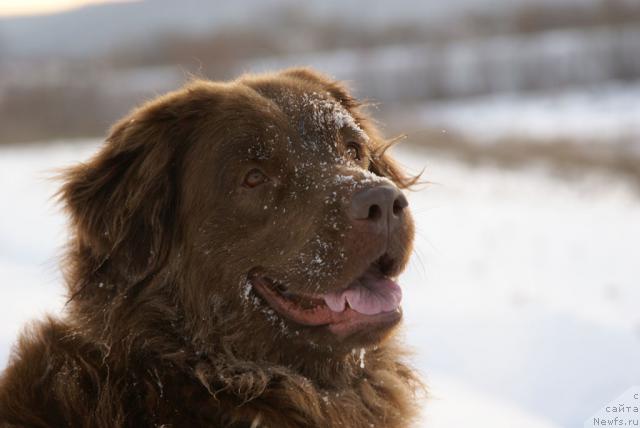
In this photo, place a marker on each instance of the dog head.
(265, 211)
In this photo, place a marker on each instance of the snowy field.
(605, 113)
(522, 301)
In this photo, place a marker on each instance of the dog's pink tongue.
(369, 296)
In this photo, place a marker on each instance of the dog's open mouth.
(372, 300)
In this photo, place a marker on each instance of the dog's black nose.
(382, 205)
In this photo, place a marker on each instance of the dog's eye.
(353, 151)
(254, 178)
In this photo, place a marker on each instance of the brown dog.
(231, 265)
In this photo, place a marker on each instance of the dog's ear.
(122, 202)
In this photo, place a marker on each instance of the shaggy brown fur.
(170, 221)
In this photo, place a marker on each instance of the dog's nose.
(382, 205)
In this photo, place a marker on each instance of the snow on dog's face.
(270, 204)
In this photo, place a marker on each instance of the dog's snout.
(382, 205)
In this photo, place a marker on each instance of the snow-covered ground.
(526, 290)
(522, 301)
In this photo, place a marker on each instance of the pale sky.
(34, 7)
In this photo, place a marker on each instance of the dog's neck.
(354, 393)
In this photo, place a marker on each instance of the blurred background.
(523, 298)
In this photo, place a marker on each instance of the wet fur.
(140, 344)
